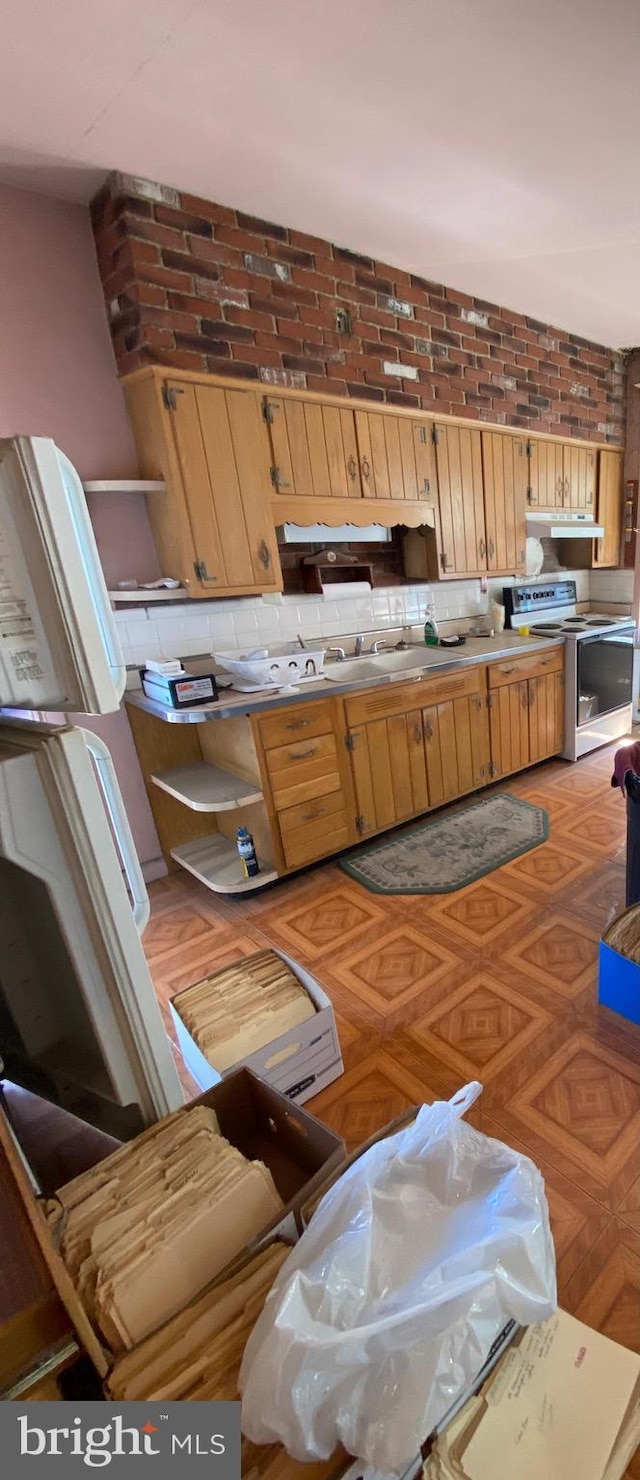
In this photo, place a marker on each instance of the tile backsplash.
(185, 629)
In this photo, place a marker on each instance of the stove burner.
(601, 622)
(574, 622)
(547, 627)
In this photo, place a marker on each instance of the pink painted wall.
(58, 379)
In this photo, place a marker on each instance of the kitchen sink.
(379, 665)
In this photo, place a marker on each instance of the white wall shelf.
(125, 485)
(206, 788)
(142, 597)
(216, 863)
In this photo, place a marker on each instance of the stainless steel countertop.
(428, 662)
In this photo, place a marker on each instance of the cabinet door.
(456, 741)
(609, 512)
(223, 455)
(396, 457)
(461, 498)
(546, 715)
(509, 713)
(314, 449)
(505, 468)
(546, 475)
(389, 771)
(579, 478)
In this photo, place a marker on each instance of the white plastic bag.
(386, 1309)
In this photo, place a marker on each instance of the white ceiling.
(493, 145)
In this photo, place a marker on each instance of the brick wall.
(200, 286)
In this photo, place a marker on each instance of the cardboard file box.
(619, 983)
(295, 1147)
(299, 1063)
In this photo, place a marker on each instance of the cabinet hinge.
(423, 434)
(361, 825)
(529, 494)
(169, 397)
(274, 474)
(529, 449)
(435, 435)
(350, 742)
(267, 412)
(489, 701)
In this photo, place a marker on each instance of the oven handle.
(123, 837)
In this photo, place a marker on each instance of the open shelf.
(125, 485)
(216, 863)
(142, 597)
(207, 788)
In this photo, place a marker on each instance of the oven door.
(605, 674)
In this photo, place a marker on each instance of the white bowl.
(279, 668)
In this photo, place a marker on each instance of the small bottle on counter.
(246, 849)
(431, 634)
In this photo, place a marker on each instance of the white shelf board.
(125, 485)
(178, 593)
(207, 788)
(216, 863)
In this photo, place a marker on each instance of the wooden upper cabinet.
(396, 457)
(504, 460)
(579, 484)
(213, 526)
(314, 449)
(463, 538)
(609, 509)
(562, 475)
(546, 475)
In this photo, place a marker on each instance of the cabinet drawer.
(511, 670)
(307, 845)
(321, 814)
(298, 752)
(380, 703)
(303, 770)
(302, 720)
(313, 829)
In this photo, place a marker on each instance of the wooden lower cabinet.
(526, 707)
(430, 747)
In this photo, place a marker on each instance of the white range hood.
(564, 525)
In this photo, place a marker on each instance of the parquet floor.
(496, 982)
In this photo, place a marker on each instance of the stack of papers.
(237, 1011)
(148, 1228)
(562, 1402)
(197, 1357)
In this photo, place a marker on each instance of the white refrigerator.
(79, 1019)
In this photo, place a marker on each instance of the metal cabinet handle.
(544, 662)
(492, 549)
(428, 730)
(264, 554)
(483, 549)
(311, 816)
(445, 562)
(366, 468)
(510, 669)
(352, 466)
(417, 734)
(303, 755)
(524, 698)
(297, 724)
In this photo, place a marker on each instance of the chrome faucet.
(338, 651)
(378, 645)
(357, 648)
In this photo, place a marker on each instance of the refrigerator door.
(59, 648)
(79, 1020)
